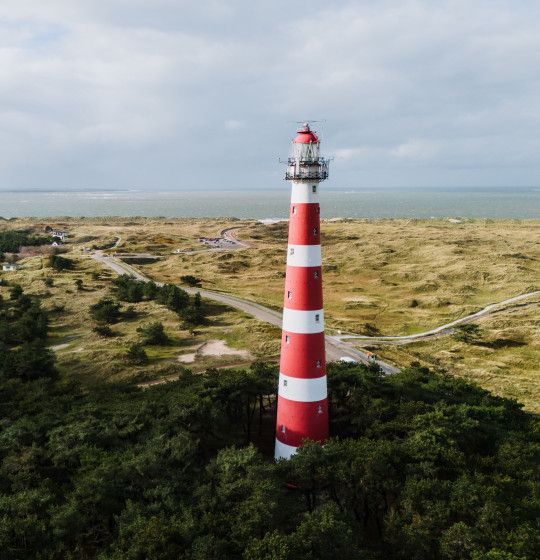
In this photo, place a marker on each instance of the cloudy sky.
(172, 94)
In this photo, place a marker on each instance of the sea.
(273, 204)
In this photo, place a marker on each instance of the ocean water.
(509, 202)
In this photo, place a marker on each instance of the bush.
(49, 282)
(130, 312)
(468, 333)
(137, 354)
(15, 292)
(60, 263)
(105, 311)
(190, 280)
(154, 334)
(104, 331)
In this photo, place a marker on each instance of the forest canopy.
(420, 466)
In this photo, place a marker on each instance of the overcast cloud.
(168, 94)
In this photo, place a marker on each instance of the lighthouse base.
(284, 451)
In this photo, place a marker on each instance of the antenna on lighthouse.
(302, 409)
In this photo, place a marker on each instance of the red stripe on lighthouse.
(303, 288)
(302, 355)
(298, 415)
(304, 224)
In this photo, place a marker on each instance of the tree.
(79, 284)
(150, 290)
(15, 292)
(105, 311)
(469, 333)
(137, 354)
(173, 297)
(153, 334)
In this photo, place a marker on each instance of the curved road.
(443, 329)
(336, 345)
(335, 349)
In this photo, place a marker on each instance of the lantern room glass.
(305, 151)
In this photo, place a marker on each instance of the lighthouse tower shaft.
(302, 409)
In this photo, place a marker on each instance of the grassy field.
(399, 277)
(505, 359)
(83, 354)
(384, 276)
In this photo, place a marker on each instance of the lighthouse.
(302, 408)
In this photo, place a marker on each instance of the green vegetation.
(421, 466)
(153, 334)
(60, 263)
(105, 311)
(190, 280)
(137, 354)
(12, 240)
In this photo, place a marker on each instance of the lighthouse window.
(317, 318)
(315, 274)
(289, 295)
(294, 209)
(314, 188)
(315, 230)
(291, 251)
(283, 429)
(287, 338)
(284, 383)
(318, 363)
(319, 409)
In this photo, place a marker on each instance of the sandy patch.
(57, 347)
(213, 348)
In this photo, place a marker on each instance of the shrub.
(468, 333)
(137, 354)
(104, 331)
(190, 280)
(60, 263)
(154, 334)
(105, 311)
(15, 292)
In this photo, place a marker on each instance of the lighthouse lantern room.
(302, 410)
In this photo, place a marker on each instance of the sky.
(171, 94)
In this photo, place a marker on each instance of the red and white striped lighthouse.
(302, 410)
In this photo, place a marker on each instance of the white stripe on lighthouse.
(303, 193)
(284, 451)
(302, 390)
(304, 255)
(303, 322)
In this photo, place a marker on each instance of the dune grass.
(381, 276)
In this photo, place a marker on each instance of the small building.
(62, 235)
(10, 267)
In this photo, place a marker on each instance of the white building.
(10, 267)
(60, 234)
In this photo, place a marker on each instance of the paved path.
(443, 329)
(337, 346)
(335, 349)
(227, 234)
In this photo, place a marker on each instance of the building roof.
(305, 136)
